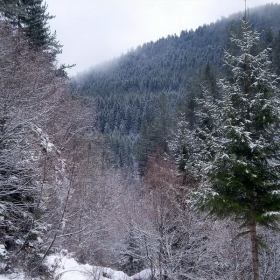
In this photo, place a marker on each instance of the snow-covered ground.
(65, 267)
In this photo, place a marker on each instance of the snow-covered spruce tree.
(242, 175)
(189, 146)
(184, 149)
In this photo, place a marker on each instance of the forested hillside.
(139, 95)
(162, 164)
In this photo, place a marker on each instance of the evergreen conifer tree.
(31, 17)
(242, 163)
(36, 26)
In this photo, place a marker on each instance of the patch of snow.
(13, 276)
(65, 267)
(271, 213)
(143, 275)
(3, 252)
(119, 275)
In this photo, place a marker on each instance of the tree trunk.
(255, 254)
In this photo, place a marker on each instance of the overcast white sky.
(92, 31)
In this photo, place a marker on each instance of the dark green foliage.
(36, 26)
(31, 18)
(244, 166)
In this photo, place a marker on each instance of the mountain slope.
(138, 92)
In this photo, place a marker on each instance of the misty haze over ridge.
(111, 62)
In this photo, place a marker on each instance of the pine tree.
(36, 26)
(242, 165)
(31, 18)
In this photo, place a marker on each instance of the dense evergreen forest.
(163, 163)
(140, 95)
